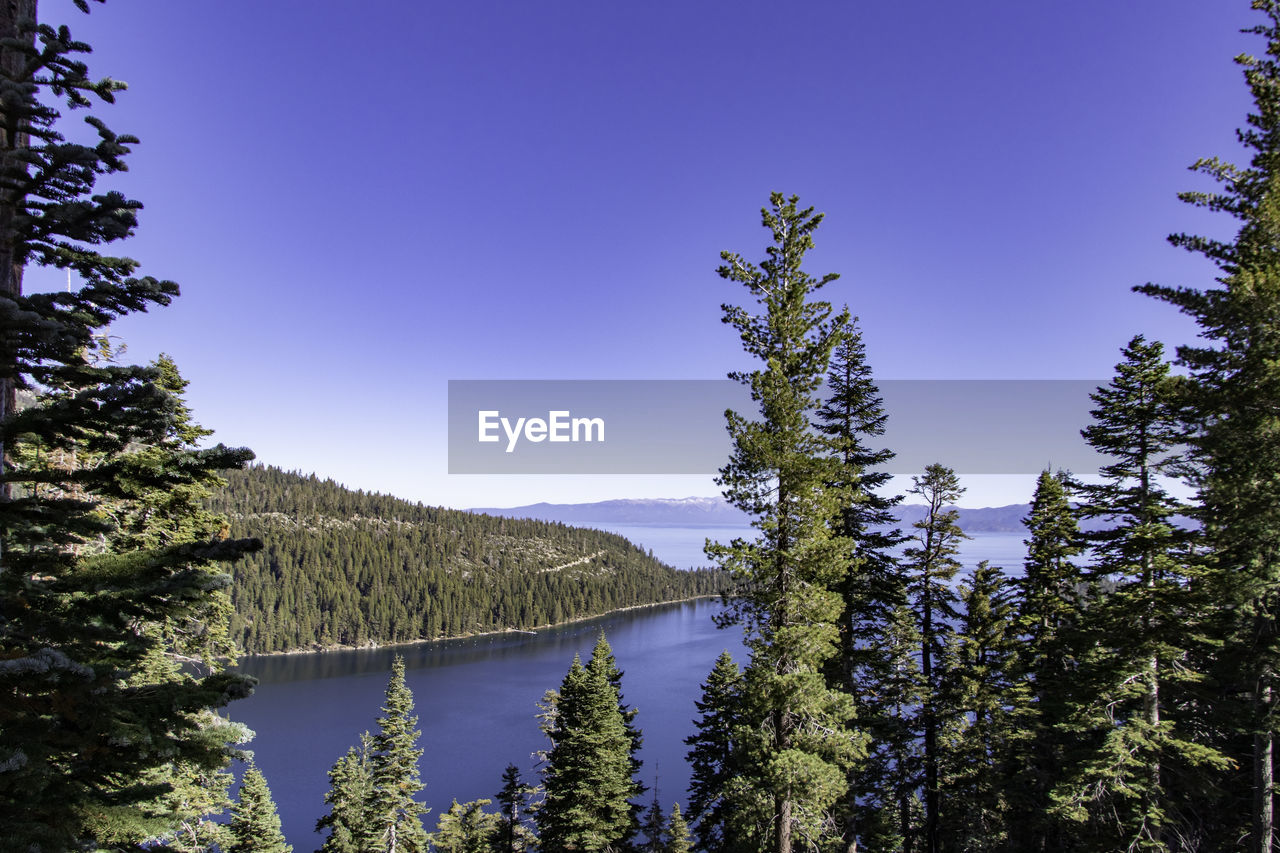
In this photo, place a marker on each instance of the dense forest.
(343, 567)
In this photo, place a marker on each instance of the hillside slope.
(343, 567)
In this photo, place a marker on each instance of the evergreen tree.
(350, 822)
(988, 705)
(1132, 677)
(931, 564)
(255, 824)
(1048, 618)
(107, 577)
(678, 840)
(780, 472)
(713, 758)
(394, 771)
(1235, 445)
(512, 835)
(603, 662)
(852, 416)
(889, 787)
(466, 828)
(654, 827)
(587, 780)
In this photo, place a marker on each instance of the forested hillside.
(346, 567)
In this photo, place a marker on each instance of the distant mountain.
(700, 512)
(671, 512)
(990, 519)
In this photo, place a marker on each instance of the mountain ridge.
(709, 511)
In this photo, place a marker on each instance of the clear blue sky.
(362, 201)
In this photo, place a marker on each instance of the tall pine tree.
(988, 708)
(1234, 427)
(931, 563)
(108, 577)
(1132, 678)
(393, 771)
(781, 472)
(1048, 620)
(853, 417)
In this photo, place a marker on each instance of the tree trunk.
(784, 825)
(12, 137)
(1263, 772)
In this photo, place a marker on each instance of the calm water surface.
(476, 705)
(476, 699)
(682, 546)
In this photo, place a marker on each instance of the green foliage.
(1052, 596)
(930, 564)
(1234, 438)
(513, 836)
(868, 667)
(987, 706)
(654, 828)
(678, 840)
(112, 602)
(394, 771)
(1136, 684)
(255, 824)
(350, 568)
(714, 760)
(781, 472)
(350, 822)
(587, 782)
(372, 788)
(466, 828)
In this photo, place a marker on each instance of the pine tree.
(714, 759)
(931, 564)
(780, 473)
(1048, 618)
(1133, 675)
(654, 827)
(350, 822)
(104, 583)
(1234, 440)
(989, 705)
(587, 780)
(255, 824)
(852, 416)
(394, 771)
(513, 836)
(678, 840)
(889, 786)
(602, 660)
(466, 828)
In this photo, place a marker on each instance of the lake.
(476, 699)
(682, 546)
(476, 704)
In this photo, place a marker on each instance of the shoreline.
(340, 647)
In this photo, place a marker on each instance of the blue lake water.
(476, 699)
(682, 546)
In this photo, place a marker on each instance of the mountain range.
(715, 512)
